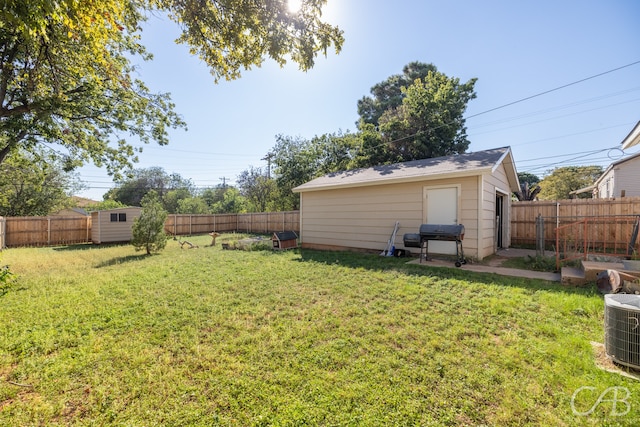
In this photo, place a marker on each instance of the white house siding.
(606, 185)
(363, 217)
(627, 178)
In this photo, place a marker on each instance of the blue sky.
(516, 49)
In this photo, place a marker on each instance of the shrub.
(148, 228)
(7, 279)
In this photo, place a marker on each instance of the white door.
(441, 207)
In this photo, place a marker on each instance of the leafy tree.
(148, 228)
(170, 188)
(232, 202)
(172, 199)
(192, 205)
(34, 184)
(529, 187)
(66, 79)
(560, 182)
(66, 75)
(295, 161)
(335, 151)
(373, 150)
(388, 95)
(430, 122)
(259, 190)
(213, 195)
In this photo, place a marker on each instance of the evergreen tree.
(148, 228)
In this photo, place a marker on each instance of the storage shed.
(357, 209)
(113, 225)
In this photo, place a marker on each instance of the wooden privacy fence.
(264, 222)
(61, 230)
(614, 231)
(47, 230)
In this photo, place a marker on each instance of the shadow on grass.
(122, 260)
(87, 246)
(376, 262)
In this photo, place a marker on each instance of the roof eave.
(416, 178)
(633, 138)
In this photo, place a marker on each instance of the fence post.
(540, 236)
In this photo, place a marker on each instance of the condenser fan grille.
(622, 328)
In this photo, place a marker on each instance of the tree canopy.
(388, 95)
(33, 184)
(170, 188)
(560, 182)
(67, 79)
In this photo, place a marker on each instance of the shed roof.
(459, 165)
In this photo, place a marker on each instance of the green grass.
(102, 335)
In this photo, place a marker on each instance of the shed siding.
(493, 184)
(363, 217)
(112, 232)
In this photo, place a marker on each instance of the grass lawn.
(104, 335)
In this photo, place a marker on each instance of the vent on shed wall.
(622, 328)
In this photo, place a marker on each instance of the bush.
(7, 279)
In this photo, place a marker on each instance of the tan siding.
(364, 217)
(109, 232)
(492, 183)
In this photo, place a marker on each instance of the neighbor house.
(620, 179)
(113, 225)
(357, 209)
(633, 138)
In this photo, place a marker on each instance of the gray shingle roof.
(437, 167)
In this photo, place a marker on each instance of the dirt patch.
(605, 363)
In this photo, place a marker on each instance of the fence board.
(2, 233)
(562, 212)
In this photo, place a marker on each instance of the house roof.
(459, 165)
(633, 138)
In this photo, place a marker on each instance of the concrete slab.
(502, 271)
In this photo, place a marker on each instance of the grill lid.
(442, 231)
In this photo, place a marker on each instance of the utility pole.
(268, 158)
(224, 181)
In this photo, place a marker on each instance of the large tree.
(33, 184)
(170, 188)
(430, 121)
(560, 182)
(387, 95)
(258, 189)
(67, 78)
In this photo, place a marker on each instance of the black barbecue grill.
(439, 232)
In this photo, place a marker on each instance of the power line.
(554, 89)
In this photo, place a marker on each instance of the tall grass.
(107, 336)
